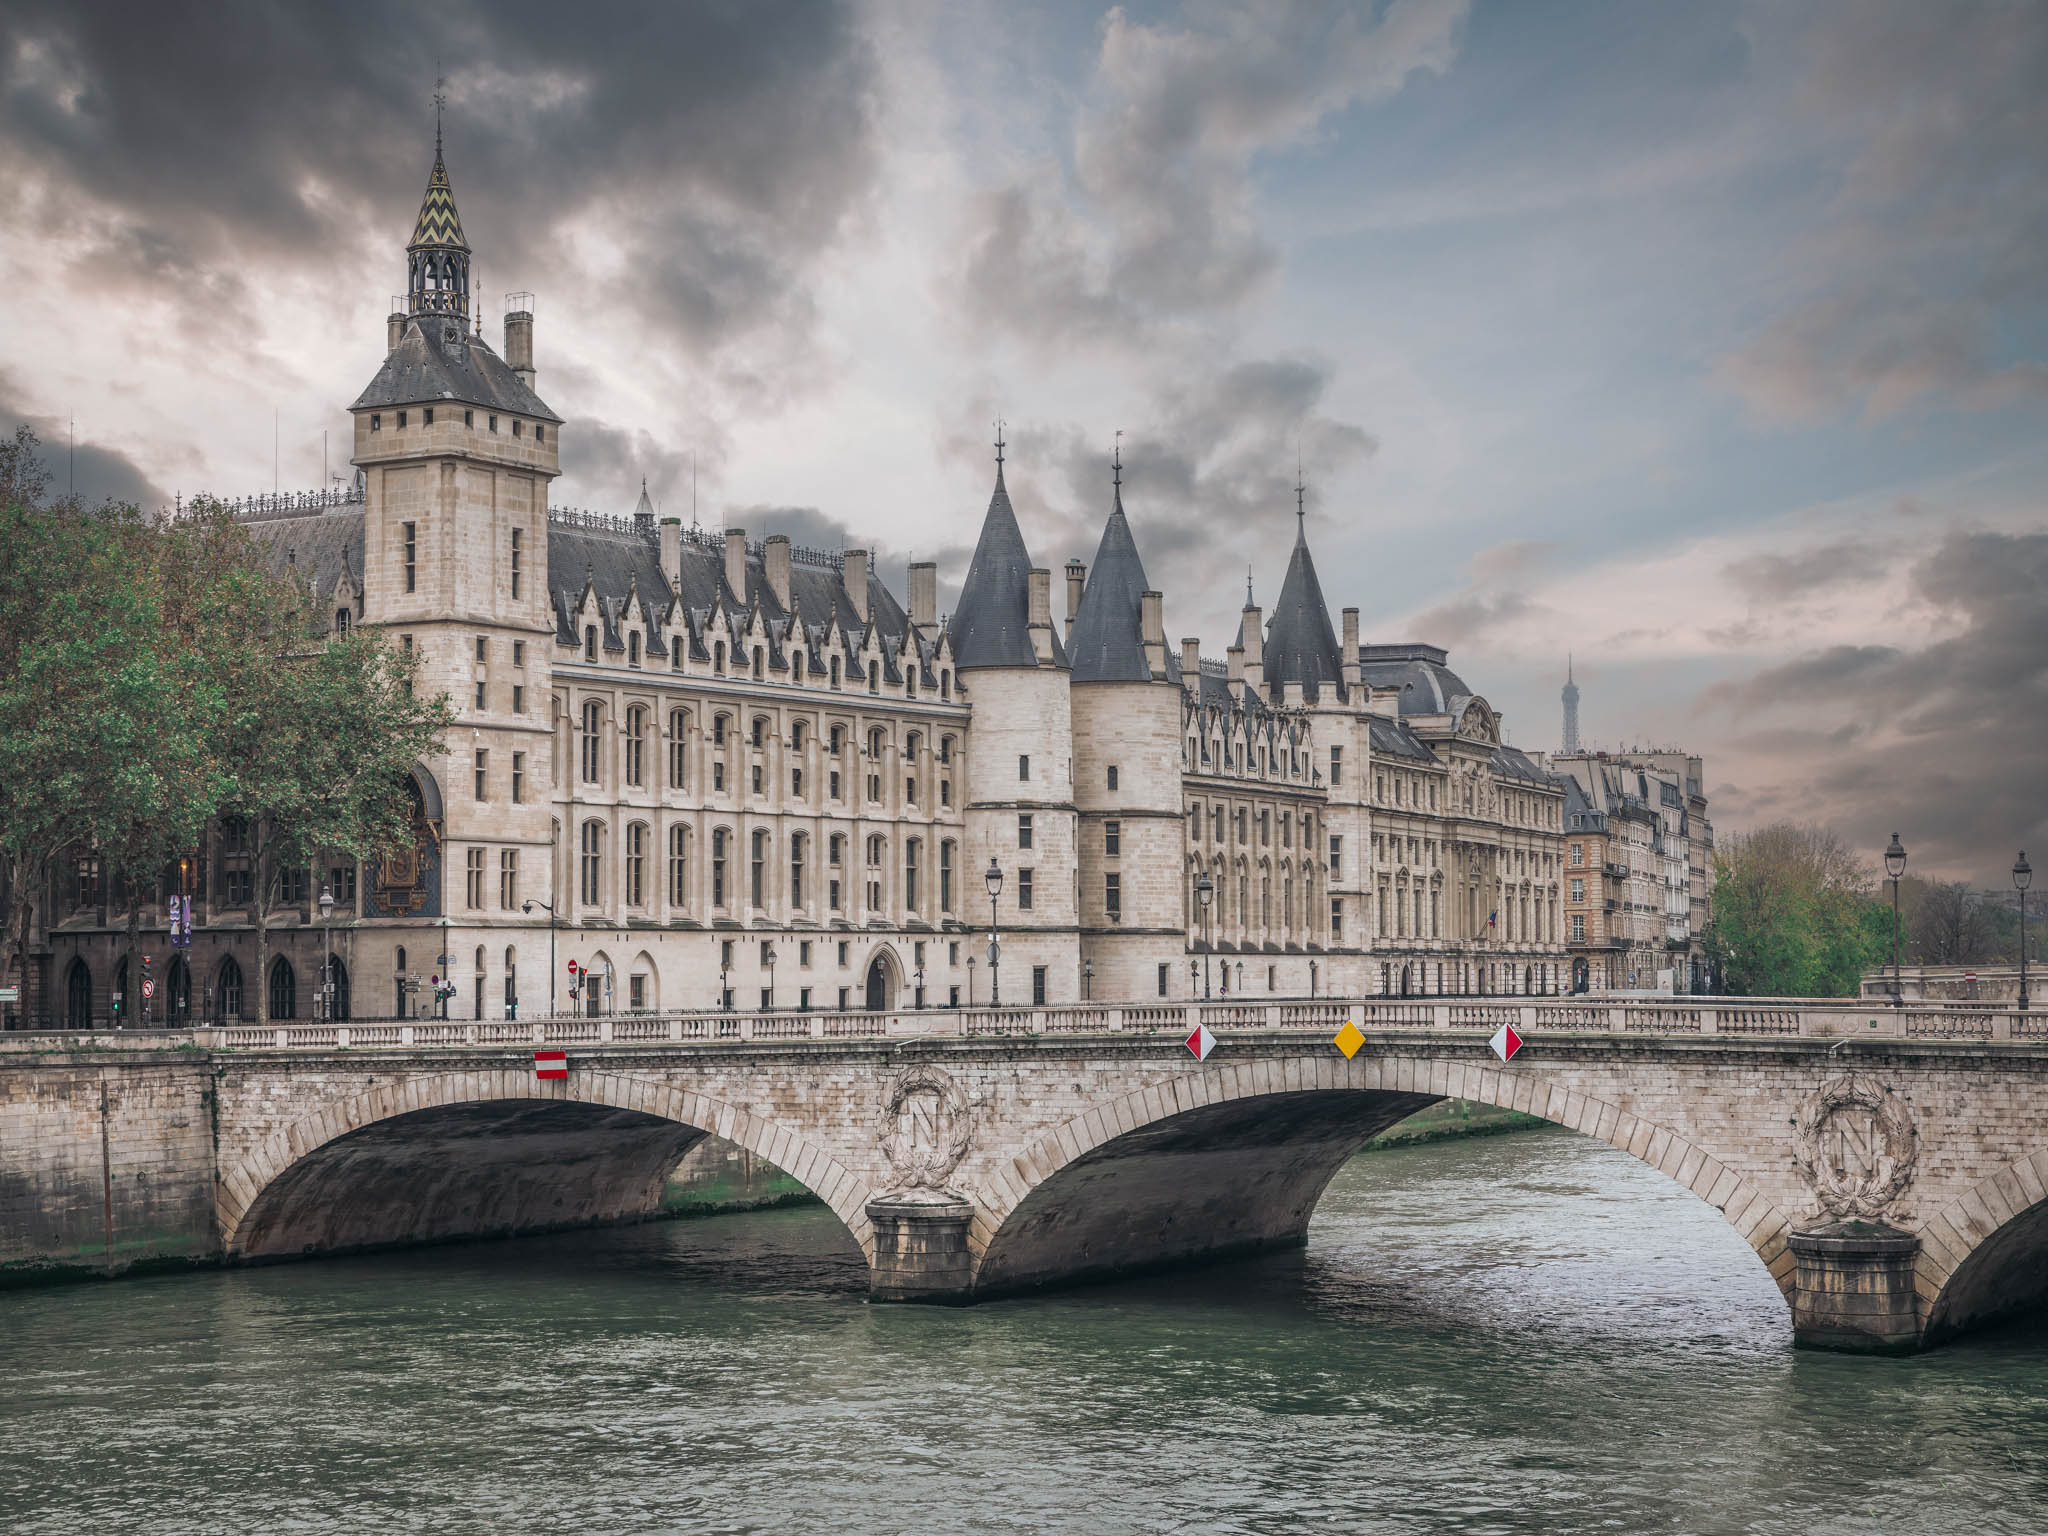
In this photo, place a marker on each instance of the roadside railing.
(1692, 1017)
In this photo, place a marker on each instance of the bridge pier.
(921, 1251)
(1854, 1288)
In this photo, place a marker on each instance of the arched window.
(758, 886)
(875, 738)
(875, 851)
(593, 862)
(679, 866)
(678, 749)
(760, 730)
(284, 989)
(838, 739)
(718, 837)
(718, 725)
(78, 996)
(476, 982)
(178, 991)
(636, 865)
(593, 718)
(636, 744)
(945, 877)
(227, 988)
(797, 736)
(912, 744)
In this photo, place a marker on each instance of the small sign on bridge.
(551, 1065)
(1505, 1042)
(1201, 1042)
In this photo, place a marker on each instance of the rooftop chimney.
(394, 325)
(1191, 664)
(924, 598)
(1233, 671)
(1254, 641)
(672, 551)
(775, 565)
(1348, 656)
(1077, 582)
(736, 562)
(1038, 584)
(519, 337)
(1152, 630)
(855, 575)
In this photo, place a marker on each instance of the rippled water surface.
(1520, 1334)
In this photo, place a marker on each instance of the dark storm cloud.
(1936, 222)
(181, 149)
(90, 471)
(1944, 741)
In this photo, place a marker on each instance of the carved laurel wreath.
(925, 1167)
(1871, 1192)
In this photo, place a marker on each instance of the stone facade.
(713, 769)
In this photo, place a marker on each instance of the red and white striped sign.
(550, 1064)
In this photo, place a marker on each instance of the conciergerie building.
(750, 775)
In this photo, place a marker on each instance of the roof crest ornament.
(1116, 460)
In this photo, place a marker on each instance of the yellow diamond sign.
(1349, 1040)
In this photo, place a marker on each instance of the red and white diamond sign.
(1505, 1042)
(550, 1064)
(1201, 1042)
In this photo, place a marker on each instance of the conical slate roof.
(990, 628)
(1108, 643)
(439, 224)
(1301, 647)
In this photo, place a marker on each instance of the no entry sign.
(1505, 1042)
(1201, 1042)
(550, 1064)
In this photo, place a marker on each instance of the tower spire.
(438, 257)
(1116, 461)
(999, 453)
(1571, 708)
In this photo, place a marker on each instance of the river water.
(1528, 1333)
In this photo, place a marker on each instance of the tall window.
(1112, 839)
(593, 862)
(679, 866)
(636, 865)
(945, 877)
(1023, 769)
(636, 743)
(1113, 897)
(284, 990)
(412, 557)
(1024, 830)
(475, 887)
(1336, 857)
(678, 750)
(1336, 766)
(1024, 890)
(483, 771)
(718, 837)
(910, 875)
(518, 777)
(593, 717)
(797, 842)
(518, 555)
(511, 980)
(590, 642)
(477, 980)
(758, 870)
(508, 879)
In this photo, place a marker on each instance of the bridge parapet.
(1828, 1018)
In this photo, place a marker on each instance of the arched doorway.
(284, 989)
(78, 996)
(178, 991)
(228, 991)
(1406, 990)
(881, 989)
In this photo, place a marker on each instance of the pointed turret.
(437, 259)
(643, 510)
(1301, 645)
(992, 625)
(1108, 642)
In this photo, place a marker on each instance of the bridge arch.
(1984, 1256)
(489, 1153)
(1235, 1159)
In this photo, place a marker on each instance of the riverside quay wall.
(1888, 1166)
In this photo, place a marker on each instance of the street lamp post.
(327, 969)
(447, 980)
(1894, 867)
(994, 880)
(1205, 898)
(768, 954)
(2022, 877)
(527, 907)
(1087, 978)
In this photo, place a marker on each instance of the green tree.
(1792, 914)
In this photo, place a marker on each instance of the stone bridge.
(1889, 1170)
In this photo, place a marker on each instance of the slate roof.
(989, 625)
(317, 548)
(438, 223)
(1301, 647)
(1107, 643)
(1390, 738)
(1513, 763)
(1428, 687)
(426, 367)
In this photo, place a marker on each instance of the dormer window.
(633, 650)
(590, 643)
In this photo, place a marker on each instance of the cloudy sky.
(1708, 343)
